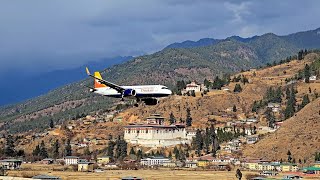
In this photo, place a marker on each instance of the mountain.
(190, 44)
(307, 39)
(42, 83)
(163, 67)
(269, 47)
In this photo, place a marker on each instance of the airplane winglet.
(88, 72)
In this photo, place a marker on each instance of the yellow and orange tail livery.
(97, 84)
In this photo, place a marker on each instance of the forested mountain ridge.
(164, 67)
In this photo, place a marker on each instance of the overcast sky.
(46, 35)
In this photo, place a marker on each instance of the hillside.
(299, 134)
(163, 67)
(219, 102)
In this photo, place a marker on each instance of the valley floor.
(162, 173)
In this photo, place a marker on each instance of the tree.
(68, 148)
(132, 151)
(86, 151)
(139, 154)
(290, 108)
(305, 100)
(207, 83)
(56, 147)
(51, 124)
(289, 156)
(215, 142)
(198, 142)
(234, 108)
(110, 149)
(237, 88)
(238, 174)
(121, 148)
(307, 73)
(270, 117)
(43, 150)
(189, 118)
(9, 147)
(172, 119)
(36, 151)
(207, 140)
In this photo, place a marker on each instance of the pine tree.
(207, 140)
(198, 142)
(237, 88)
(238, 174)
(289, 156)
(172, 119)
(307, 73)
(68, 148)
(132, 151)
(234, 108)
(215, 141)
(51, 124)
(110, 149)
(270, 118)
(9, 147)
(305, 100)
(139, 154)
(56, 147)
(43, 150)
(290, 108)
(36, 151)
(189, 118)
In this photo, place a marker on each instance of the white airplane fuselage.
(142, 91)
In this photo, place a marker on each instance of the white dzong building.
(155, 134)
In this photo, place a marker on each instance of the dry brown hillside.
(299, 134)
(219, 102)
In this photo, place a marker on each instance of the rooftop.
(44, 176)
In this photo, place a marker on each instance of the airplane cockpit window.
(164, 88)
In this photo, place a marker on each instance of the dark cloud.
(47, 35)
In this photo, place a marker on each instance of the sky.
(45, 35)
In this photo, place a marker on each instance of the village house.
(46, 177)
(312, 79)
(191, 165)
(154, 161)
(85, 166)
(111, 165)
(193, 86)
(169, 164)
(275, 107)
(288, 167)
(312, 170)
(69, 160)
(103, 160)
(269, 173)
(203, 163)
(252, 139)
(47, 161)
(10, 163)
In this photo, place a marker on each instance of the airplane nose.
(169, 92)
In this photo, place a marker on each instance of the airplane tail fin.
(97, 84)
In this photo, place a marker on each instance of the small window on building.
(146, 130)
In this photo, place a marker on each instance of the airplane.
(146, 93)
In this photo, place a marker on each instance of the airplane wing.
(107, 83)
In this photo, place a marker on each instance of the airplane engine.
(129, 92)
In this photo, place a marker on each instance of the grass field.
(163, 173)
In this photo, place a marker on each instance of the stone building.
(155, 134)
